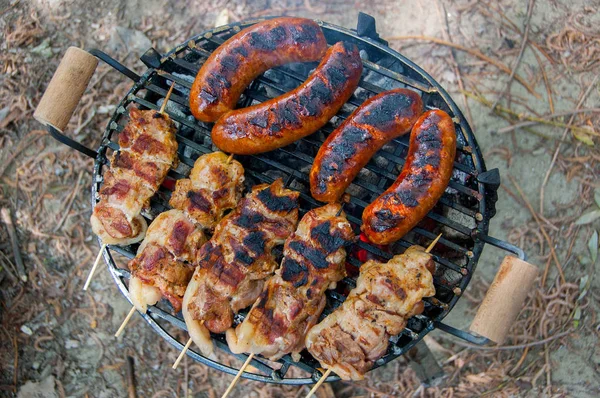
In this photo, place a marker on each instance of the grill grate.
(462, 215)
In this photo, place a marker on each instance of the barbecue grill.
(462, 214)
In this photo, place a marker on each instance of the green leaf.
(583, 137)
(584, 287)
(576, 317)
(597, 197)
(588, 217)
(593, 247)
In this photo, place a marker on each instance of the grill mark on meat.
(198, 201)
(293, 271)
(248, 218)
(120, 189)
(313, 255)
(256, 241)
(386, 110)
(276, 203)
(145, 143)
(304, 33)
(329, 242)
(178, 236)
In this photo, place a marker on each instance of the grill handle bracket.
(366, 27)
(66, 88)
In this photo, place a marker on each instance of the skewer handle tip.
(432, 244)
(239, 374)
(93, 270)
(125, 321)
(182, 353)
(316, 386)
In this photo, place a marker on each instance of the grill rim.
(479, 237)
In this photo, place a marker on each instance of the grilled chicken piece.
(232, 266)
(147, 150)
(214, 187)
(161, 266)
(386, 295)
(293, 299)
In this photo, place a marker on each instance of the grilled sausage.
(296, 114)
(231, 67)
(421, 183)
(349, 148)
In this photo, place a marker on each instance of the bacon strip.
(148, 149)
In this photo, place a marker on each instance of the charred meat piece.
(386, 295)
(293, 299)
(214, 186)
(233, 265)
(161, 266)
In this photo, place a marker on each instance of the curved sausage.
(231, 67)
(282, 120)
(421, 183)
(349, 148)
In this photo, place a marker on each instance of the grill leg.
(425, 365)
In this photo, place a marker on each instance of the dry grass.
(46, 187)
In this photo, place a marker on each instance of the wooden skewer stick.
(229, 159)
(89, 278)
(125, 321)
(164, 104)
(182, 353)
(239, 374)
(433, 243)
(316, 386)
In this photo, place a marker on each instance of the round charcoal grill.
(462, 215)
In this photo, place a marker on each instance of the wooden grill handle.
(66, 88)
(504, 299)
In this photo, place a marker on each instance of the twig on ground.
(540, 120)
(542, 230)
(441, 9)
(67, 209)
(475, 53)
(130, 378)
(530, 6)
(534, 122)
(12, 233)
(564, 135)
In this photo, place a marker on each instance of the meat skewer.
(148, 149)
(233, 266)
(350, 339)
(293, 299)
(163, 264)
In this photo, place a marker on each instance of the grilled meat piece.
(147, 150)
(161, 266)
(356, 334)
(232, 266)
(293, 299)
(214, 186)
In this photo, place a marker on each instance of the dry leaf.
(593, 246)
(583, 137)
(588, 217)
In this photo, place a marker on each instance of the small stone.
(45, 388)
(71, 344)
(35, 365)
(27, 330)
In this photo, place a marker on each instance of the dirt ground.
(56, 340)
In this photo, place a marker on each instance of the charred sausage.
(349, 148)
(296, 114)
(231, 67)
(421, 183)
